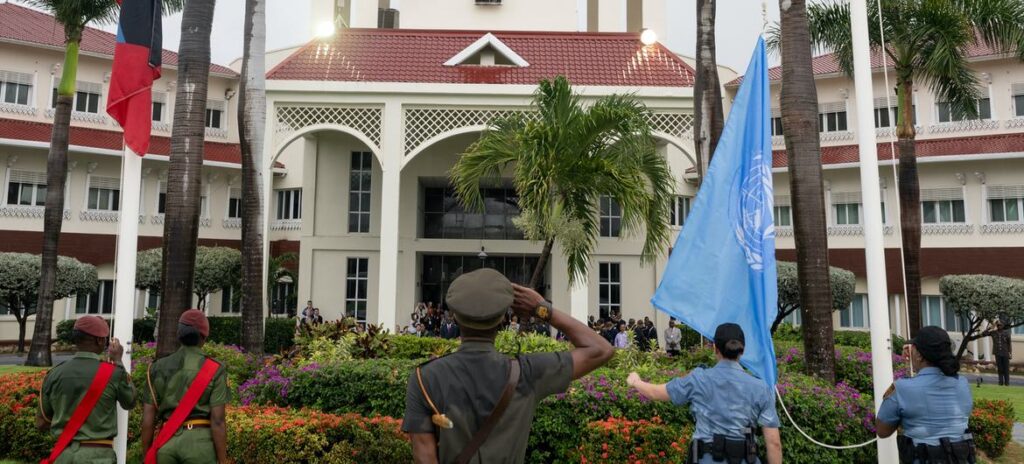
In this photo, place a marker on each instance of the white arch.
(676, 142)
(326, 128)
(439, 137)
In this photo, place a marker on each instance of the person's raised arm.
(592, 350)
(773, 443)
(654, 391)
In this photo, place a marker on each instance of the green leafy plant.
(981, 298)
(843, 285)
(615, 440)
(992, 426)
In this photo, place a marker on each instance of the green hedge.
(278, 335)
(850, 338)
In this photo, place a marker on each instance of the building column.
(579, 296)
(391, 174)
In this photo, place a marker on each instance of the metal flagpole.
(874, 247)
(124, 302)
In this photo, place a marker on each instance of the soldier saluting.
(77, 401)
(476, 405)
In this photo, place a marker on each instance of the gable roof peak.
(488, 41)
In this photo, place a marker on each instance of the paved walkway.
(13, 359)
(993, 379)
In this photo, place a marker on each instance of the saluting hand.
(115, 351)
(526, 300)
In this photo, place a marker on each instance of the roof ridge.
(481, 32)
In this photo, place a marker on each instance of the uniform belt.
(96, 443)
(191, 424)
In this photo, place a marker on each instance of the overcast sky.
(288, 24)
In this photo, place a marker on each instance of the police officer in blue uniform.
(726, 402)
(933, 407)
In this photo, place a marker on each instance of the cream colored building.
(971, 180)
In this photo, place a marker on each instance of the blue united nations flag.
(722, 267)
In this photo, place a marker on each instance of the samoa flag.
(136, 66)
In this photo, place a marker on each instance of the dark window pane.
(364, 265)
(1018, 105)
(12, 193)
(984, 109)
(958, 211)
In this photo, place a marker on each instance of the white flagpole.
(124, 302)
(874, 247)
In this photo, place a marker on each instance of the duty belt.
(946, 452)
(724, 449)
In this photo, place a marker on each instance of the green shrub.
(513, 343)
(616, 440)
(64, 329)
(992, 425)
(240, 366)
(413, 347)
(143, 330)
(838, 415)
(278, 333)
(372, 387)
(324, 351)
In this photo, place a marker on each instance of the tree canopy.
(843, 286)
(19, 277)
(980, 298)
(216, 268)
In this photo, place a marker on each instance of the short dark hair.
(731, 349)
(188, 335)
(78, 337)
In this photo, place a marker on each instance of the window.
(783, 216)
(947, 114)
(26, 188)
(158, 111)
(152, 300)
(104, 194)
(86, 100)
(229, 303)
(1018, 105)
(610, 289)
(1019, 330)
(846, 214)
(832, 117)
(855, 316)
(204, 201)
(445, 217)
(777, 126)
(283, 297)
(356, 288)
(215, 114)
(680, 210)
(439, 271)
(289, 204)
(611, 217)
(359, 192)
(99, 302)
(235, 203)
(15, 87)
(1005, 203)
(935, 311)
(794, 319)
(943, 212)
(887, 117)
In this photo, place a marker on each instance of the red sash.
(185, 406)
(82, 411)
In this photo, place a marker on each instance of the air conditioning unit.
(387, 18)
(488, 2)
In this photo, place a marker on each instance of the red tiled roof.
(23, 24)
(110, 140)
(984, 144)
(828, 64)
(404, 55)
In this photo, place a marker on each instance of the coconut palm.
(927, 42)
(252, 117)
(707, 91)
(74, 15)
(181, 217)
(799, 101)
(564, 158)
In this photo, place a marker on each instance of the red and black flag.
(136, 66)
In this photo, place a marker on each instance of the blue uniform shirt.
(725, 400)
(930, 406)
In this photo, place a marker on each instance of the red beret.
(92, 325)
(196, 319)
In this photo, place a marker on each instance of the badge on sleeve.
(890, 391)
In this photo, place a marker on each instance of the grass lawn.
(16, 369)
(1013, 394)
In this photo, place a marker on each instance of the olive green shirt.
(65, 386)
(467, 384)
(170, 377)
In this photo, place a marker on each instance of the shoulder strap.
(82, 411)
(492, 420)
(185, 406)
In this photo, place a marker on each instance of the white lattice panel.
(365, 120)
(679, 125)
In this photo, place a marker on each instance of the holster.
(947, 451)
(725, 449)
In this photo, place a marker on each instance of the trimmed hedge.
(644, 441)
(848, 338)
(278, 335)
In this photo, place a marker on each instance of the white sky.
(288, 24)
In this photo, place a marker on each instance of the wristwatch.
(543, 311)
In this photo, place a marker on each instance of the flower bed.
(615, 440)
(992, 426)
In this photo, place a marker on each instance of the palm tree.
(926, 43)
(800, 125)
(707, 91)
(74, 15)
(252, 116)
(565, 157)
(181, 219)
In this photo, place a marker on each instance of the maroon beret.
(196, 319)
(93, 325)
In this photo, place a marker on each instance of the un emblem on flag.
(752, 218)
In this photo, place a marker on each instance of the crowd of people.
(616, 330)
(430, 320)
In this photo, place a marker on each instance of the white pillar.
(579, 295)
(874, 245)
(269, 148)
(391, 174)
(363, 13)
(124, 290)
(611, 15)
(581, 15)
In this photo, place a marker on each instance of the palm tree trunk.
(53, 216)
(252, 118)
(910, 203)
(181, 220)
(707, 91)
(542, 264)
(800, 124)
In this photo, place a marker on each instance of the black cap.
(728, 332)
(933, 343)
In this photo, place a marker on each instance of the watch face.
(543, 312)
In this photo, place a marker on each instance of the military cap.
(479, 299)
(92, 325)
(197, 320)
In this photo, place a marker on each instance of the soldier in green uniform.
(476, 405)
(202, 437)
(66, 384)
